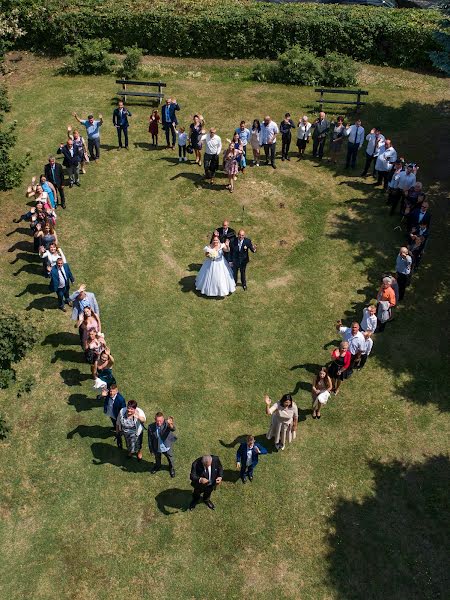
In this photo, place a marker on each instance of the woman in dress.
(50, 257)
(255, 137)
(340, 366)
(103, 368)
(320, 391)
(215, 277)
(81, 148)
(47, 235)
(88, 321)
(195, 133)
(93, 347)
(153, 127)
(303, 136)
(238, 145)
(130, 421)
(49, 188)
(337, 137)
(231, 164)
(283, 427)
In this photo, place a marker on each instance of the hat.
(90, 116)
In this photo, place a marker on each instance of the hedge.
(397, 37)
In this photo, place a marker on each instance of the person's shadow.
(63, 338)
(93, 431)
(81, 402)
(260, 439)
(107, 454)
(73, 377)
(173, 498)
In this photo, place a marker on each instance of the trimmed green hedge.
(397, 37)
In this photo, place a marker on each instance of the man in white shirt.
(213, 148)
(385, 161)
(355, 339)
(375, 140)
(268, 139)
(355, 134)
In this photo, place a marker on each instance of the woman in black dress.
(195, 133)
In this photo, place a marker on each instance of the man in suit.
(239, 247)
(225, 233)
(120, 122)
(355, 134)
(206, 474)
(60, 279)
(71, 161)
(321, 128)
(55, 174)
(420, 216)
(160, 441)
(247, 457)
(169, 120)
(113, 402)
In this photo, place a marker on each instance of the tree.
(441, 58)
(17, 336)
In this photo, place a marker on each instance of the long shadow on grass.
(395, 543)
(44, 303)
(63, 338)
(27, 257)
(187, 284)
(173, 498)
(107, 454)
(34, 289)
(93, 431)
(81, 402)
(260, 439)
(22, 245)
(74, 377)
(74, 356)
(200, 182)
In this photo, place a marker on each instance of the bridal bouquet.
(213, 254)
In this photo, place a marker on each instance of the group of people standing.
(226, 258)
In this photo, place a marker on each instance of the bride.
(215, 278)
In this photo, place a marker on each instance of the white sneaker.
(185, 159)
(180, 159)
(257, 164)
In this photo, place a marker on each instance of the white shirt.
(249, 456)
(52, 258)
(355, 134)
(268, 133)
(406, 181)
(369, 322)
(368, 346)
(208, 470)
(304, 131)
(356, 343)
(182, 137)
(373, 147)
(394, 183)
(213, 144)
(62, 278)
(386, 158)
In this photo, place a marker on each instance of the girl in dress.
(283, 427)
(254, 141)
(153, 127)
(320, 391)
(231, 165)
(215, 277)
(340, 367)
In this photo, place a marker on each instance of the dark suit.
(118, 404)
(169, 121)
(198, 470)
(61, 292)
(71, 162)
(166, 434)
(320, 132)
(241, 457)
(56, 176)
(230, 234)
(240, 258)
(413, 219)
(120, 121)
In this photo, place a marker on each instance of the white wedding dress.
(215, 278)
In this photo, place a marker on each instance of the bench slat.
(323, 101)
(150, 94)
(331, 91)
(129, 82)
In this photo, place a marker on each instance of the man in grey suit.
(321, 128)
(82, 299)
(160, 441)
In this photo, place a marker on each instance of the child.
(182, 139)
(153, 127)
(247, 457)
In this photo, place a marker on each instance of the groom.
(239, 247)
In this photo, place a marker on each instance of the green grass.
(357, 506)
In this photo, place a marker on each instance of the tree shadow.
(107, 454)
(74, 377)
(400, 533)
(34, 289)
(81, 402)
(74, 356)
(63, 338)
(173, 498)
(92, 431)
(44, 303)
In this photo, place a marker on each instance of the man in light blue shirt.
(244, 136)
(355, 134)
(93, 134)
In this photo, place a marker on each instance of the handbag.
(323, 397)
(189, 149)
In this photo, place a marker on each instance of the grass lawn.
(357, 507)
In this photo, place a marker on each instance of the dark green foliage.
(297, 66)
(26, 386)
(131, 62)
(441, 57)
(4, 429)
(88, 57)
(399, 37)
(17, 336)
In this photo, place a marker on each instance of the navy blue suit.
(169, 121)
(118, 404)
(61, 292)
(120, 121)
(241, 457)
(240, 258)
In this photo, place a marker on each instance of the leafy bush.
(297, 66)
(243, 29)
(4, 429)
(17, 336)
(441, 57)
(339, 70)
(131, 62)
(89, 57)
(26, 386)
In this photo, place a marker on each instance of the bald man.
(206, 474)
(239, 248)
(225, 233)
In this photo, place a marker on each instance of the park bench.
(125, 92)
(358, 93)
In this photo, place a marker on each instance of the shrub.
(297, 66)
(264, 72)
(89, 57)
(4, 429)
(131, 62)
(26, 386)
(338, 70)
(17, 336)
(241, 29)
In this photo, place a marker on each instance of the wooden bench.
(358, 93)
(124, 92)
